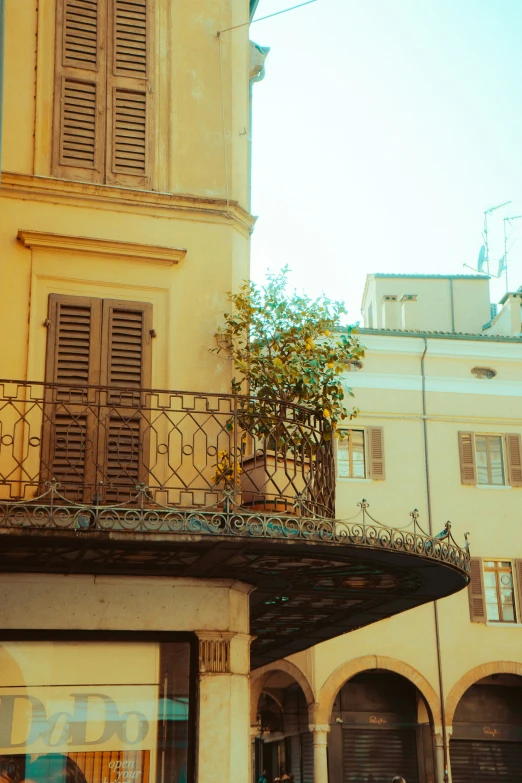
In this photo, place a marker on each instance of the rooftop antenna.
(503, 263)
(483, 256)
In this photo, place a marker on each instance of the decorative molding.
(119, 199)
(158, 254)
(214, 655)
(439, 384)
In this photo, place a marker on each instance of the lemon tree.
(288, 348)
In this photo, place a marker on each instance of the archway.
(280, 700)
(486, 743)
(381, 725)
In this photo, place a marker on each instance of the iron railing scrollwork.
(99, 443)
(229, 519)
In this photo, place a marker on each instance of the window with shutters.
(360, 454)
(351, 460)
(490, 460)
(95, 428)
(499, 590)
(103, 92)
(495, 591)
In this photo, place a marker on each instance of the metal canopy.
(313, 582)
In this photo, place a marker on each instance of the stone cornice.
(158, 254)
(110, 197)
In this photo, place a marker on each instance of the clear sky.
(382, 131)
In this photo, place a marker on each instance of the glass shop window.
(500, 596)
(94, 712)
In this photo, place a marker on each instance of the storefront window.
(94, 712)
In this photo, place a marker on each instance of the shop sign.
(487, 731)
(59, 718)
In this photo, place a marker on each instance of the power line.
(261, 19)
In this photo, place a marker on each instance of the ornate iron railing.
(92, 446)
(228, 519)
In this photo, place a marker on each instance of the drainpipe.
(445, 749)
(2, 48)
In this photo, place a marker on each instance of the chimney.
(410, 313)
(513, 304)
(390, 312)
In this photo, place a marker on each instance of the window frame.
(497, 570)
(488, 436)
(351, 477)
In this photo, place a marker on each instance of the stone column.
(254, 735)
(443, 774)
(224, 749)
(319, 738)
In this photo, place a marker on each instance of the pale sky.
(382, 131)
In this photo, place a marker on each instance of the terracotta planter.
(271, 481)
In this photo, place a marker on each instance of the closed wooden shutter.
(379, 753)
(518, 577)
(91, 435)
(468, 473)
(485, 762)
(477, 599)
(375, 453)
(73, 363)
(514, 459)
(80, 90)
(129, 93)
(126, 371)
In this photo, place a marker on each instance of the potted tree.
(289, 352)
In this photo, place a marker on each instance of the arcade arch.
(486, 715)
(281, 702)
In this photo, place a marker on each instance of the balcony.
(187, 484)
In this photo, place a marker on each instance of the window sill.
(493, 624)
(355, 480)
(493, 486)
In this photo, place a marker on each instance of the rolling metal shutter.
(307, 758)
(295, 757)
(381, 753)
(485, 762)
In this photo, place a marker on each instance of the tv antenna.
(483, 256)
(503, 263)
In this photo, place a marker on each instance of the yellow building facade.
(435, 693)
(137, 589)
(124, 220)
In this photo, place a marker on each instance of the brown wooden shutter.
(80, 90)
(514, 459)
(375, 453)
(126, 371)
(129, 94)
(70, 420)
(73, 340)
(477, 598)
(126, 350)
(518, 577)
(468, 473)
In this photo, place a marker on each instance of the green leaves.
(289, 348)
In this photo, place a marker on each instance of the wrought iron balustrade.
(96, 445)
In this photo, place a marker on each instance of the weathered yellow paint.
(199, 202)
